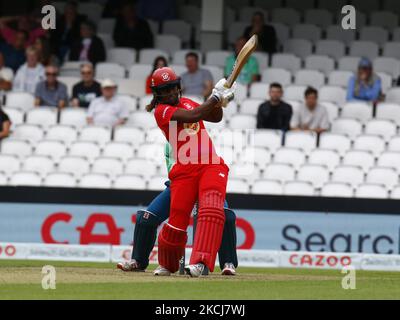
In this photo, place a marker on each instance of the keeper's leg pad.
(210, 225)
(171, 247)
(144, 236)
(227, 251)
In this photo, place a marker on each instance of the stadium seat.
(154, 26)
(91, 10)
(305, 141)
(40, 164)
(147, 56)
(282, 76)
(337, 189)
(262, 59)
(51, 148)
(332, 109)
(30, 132)
(260, 156)
(250, 106)
(95, 181)
(334, 94)
(247, 171)
(361, 18)
(383, 175)
(9, 164)
(386, 81)
(246, 13)
(230, 138)
(322, 63)
(237, 186)
(258, 90)
(144, 101)
(389, 159)
(271, 4)
(235, 30)
(395, 193)
(16, 116)
(327, 157)
(129, 102)
(394, 144)
(16, 147)
(3, 179)
(271, 139)
(120, 150)
(300, 47)
(375, 34)
(336, 32)
(131, 87)
(287, 16)
(294, 92)
(106, 25)
(140, 71)
(216, 72)
(242, 121)
(64, 133)
(153, 152)
(129, 182)
(133, 135)
(21, 100)
(311, 78)
(320, 17)
(155, 135)
(373, 143)
(349, 63)
(354, 175)
(392, 5)
(384, 128)
(179, 28)
(371, 190)
(168, 42)
(388, 65)
(286, 61)
(42, 116)
(335, 141)
(179, 57)
(69, 82)
(73, 117)
(293, 156)
(88, 149)
(142, 119)
(76, 165)
(362, 158)
(391, 49)
(332, 48)
(362, 48)
(309, 32)
(360, 111)
(270, 187)
(316, 174)
(366, 5)
(179, 69)
(98, 134)
(60, 180)
(279, 171)
(298, 188)
(26, 179)
(339, 78)
(112, 166)
(190, 13)
(156, 183)
(110, 70)
(282, 32)
(393, 95)
(123, 56)
(137, 166)
(71, 68)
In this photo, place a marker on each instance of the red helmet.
(164, 77)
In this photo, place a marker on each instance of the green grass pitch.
(22, 280)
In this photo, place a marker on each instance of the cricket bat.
(241, 59)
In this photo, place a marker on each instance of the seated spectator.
(14, 54)
(267, 39)
(366, 85)
(30, 73)
(131, 31)
(159, 62)
(51, 92)
(6, 75)
(89, 47)
(274, 113)
(5, 125)
(84, 92)
(250, 71)
(196, 81)
(44, 52)
(23, 23)
(311, 116)
(108, 110)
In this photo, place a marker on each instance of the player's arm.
(200, 113)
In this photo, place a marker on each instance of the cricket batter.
(199, 174)
(148, 221)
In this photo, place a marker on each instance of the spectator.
(84, 92)
(109, 109)
(366, 85)
(196, 81)
(5, 125)
(159, 62)
(112, 8)
(88, 47)
(6, 75)
(30, 73)
(311, 116)
(23, 23)
(51, 92)
(274, 113)
(14, 54)
(267, 39)
(250, 71)
(131, 31)
(157, 10)
(44, 52)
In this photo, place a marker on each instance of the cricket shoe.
(132, 266)
(194, 270)
(161, 271)
(228, 270)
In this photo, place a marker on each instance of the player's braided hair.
(156, 99)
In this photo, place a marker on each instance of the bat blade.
(241, 59)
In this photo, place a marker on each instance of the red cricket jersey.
(190, 142)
